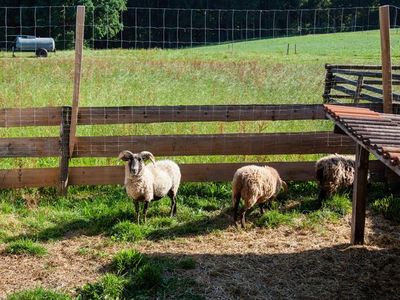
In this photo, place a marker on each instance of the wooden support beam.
(80, 22)
(359, 195)
(384, 22)
(359, 87)
(64, 149)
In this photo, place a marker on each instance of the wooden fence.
(354, 83)
(164, 145)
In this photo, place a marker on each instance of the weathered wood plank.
(50, 116)
(218, 144)
(384, 25)
(29, 147)
(297, 171)
(359, 67)
(79, 34)
(20, 178)
(38, 116)
(203, 113)
(64, 150)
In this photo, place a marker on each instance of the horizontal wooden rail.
(376, 90)
(47, 177)
(198, 113)
(218, 144)
(51, 116)
(30, 147)
(363, 73)
(358, 67)
(38, 116)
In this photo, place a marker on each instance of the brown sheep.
(254, 184)
(334, 172)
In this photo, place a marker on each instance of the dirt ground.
(235, 264)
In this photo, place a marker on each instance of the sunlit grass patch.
(38, 294)
(25, 246)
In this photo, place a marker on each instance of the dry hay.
(254, 263)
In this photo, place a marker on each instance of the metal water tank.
(40, 45)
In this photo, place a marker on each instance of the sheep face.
(136, 161)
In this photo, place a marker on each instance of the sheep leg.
(236, 207)
(172, 195)
(261, 205)
(243, 217)
(137, 212)
(145, 207)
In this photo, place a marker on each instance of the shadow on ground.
(340, 272)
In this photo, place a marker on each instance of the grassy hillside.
(242, 73)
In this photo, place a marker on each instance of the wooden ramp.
(374, 133)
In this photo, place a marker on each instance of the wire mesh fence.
(174, 28)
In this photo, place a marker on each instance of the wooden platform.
(375, 133)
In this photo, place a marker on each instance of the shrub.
(25, 246)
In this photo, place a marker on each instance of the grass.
(256, 72)
(250, 72)
(202, 209)
(389, 206)
(127, 261)
(136, 276)
(127, 231)
(25, 246)
(38, 294)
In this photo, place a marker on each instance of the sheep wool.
(254, 184)
(334, 172)
(145, 183)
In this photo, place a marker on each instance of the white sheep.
(334, 172)
(145, 183)
(254, 184)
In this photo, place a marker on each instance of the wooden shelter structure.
(375, 133)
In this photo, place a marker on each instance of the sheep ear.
(125, 155)
(147, 155)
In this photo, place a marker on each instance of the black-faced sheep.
(254, 184)
(145, 183)
(334, 172)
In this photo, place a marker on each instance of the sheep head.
(136, 161)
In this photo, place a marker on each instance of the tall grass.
(247, 73)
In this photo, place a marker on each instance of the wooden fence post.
(384, 22)
(359, 195)
(328, 83)
(80, 21)
(64, 149)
